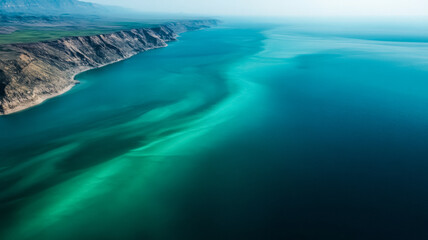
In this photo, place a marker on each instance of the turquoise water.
(262, 131)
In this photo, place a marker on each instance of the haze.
(280, 7)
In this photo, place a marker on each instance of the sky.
(279, 7)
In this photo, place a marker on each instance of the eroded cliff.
(33, 72)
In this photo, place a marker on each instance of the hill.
(48, 7)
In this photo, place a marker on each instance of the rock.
(33, 72)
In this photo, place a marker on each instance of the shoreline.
(83, 53)
(74, 82)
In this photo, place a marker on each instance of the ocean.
(284, 130)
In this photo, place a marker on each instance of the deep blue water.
(268, 131)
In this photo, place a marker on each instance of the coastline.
(81, 54)
(43, 98)
(37, 101)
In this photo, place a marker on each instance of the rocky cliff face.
(31, 73)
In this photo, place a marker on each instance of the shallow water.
(236, 132)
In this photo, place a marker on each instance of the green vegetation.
(27, 34)
(22, 36)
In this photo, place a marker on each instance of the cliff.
(33, 72)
